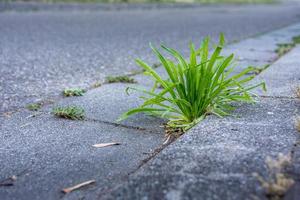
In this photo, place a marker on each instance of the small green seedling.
(195, 87)
(120, 79)
(284, 48)
(73, 92)
(34, 106)
(69, 112)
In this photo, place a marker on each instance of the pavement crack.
(278, 97)
(116, 124)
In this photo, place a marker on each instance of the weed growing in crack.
(73, 92)
(284, 48)
(258, 70)
(120, 79)
(195, 87)
(34, 106)
(69, 112)
(277, 183)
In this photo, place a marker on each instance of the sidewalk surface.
(43, 51)
(217, 158)
(213, 160)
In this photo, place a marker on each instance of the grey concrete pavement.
(283, 83)
(44, 51)
(217, 158)
(47, 153)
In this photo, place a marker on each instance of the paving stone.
(265, 112)
(179, 186)
(221, 154)
(252, 55)
(57, 153)
(283, 77)
(214, 160)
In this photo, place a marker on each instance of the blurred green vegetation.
(151, 1)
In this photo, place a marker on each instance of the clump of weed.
(120, 79)
(73, 92)
(284, 48)
(69, 112)
(195, 87)
(277, 183)
(296, 39)
(34, 106)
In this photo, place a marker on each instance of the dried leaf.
(75, 187)
(9, 181)
(100, 145)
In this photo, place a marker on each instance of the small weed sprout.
(197, 86)
(69, 112)
(120, 79)
(277, 183)
(284, 48)
(34, 106)
(73, 92)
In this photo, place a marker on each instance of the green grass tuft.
(296, 39)
(195, 87)
(69, 112)
(73, 92)
(34, 106)
(120, 79)
(284, 48)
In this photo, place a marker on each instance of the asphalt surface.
(44, 51)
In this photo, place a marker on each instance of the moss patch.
(120, 79)
(73, 92)
(34, 106)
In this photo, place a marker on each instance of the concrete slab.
(251, 55)
(48, 154)
(216, 159)
(282, 78)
